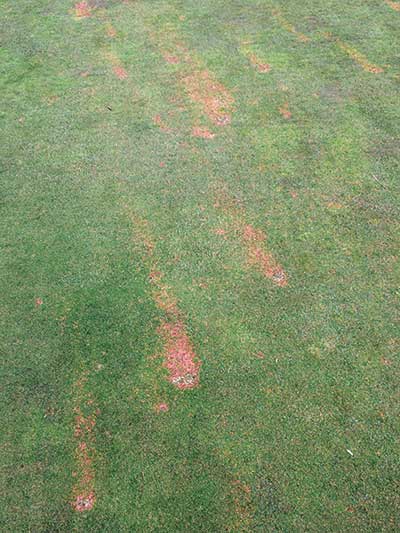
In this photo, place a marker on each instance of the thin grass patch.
(288, 26)
(83, 495)
(201, 86)
(180, 359)
(254, 240)
(82, 10)
(355, 55)
(393, 5)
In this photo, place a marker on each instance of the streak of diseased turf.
(179, 357)
(284, 290)
(357, 56)
(393, 5)
(85, 412)
(253, 239)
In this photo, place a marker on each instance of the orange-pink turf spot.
(261, 259)
(84, 502)
(393, 5)
(85, 421)
(355, 55)
(38, 302)
(120, 72)
(82, 10)
(253, 239)
(261, 67)
(111, 31)
(180, 359)
(169, 58)
(165, 300)
(243, 508)
(214, 98)
(359, 58)
(162, 408)
(334, 205)
(116, 64)
(200, 85)
(253, 235)
(203, 133)
(161, 124)
(286, 25)
(284, 111)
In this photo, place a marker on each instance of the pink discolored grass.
(202, 133)
(111, 31)
(82, 10)
(157, 119)
(263, 260)
(200, 84)
(355, 55)
(84, 502)
(263, 68)
(85, 422)
(165, 300)
(285, 112)
(120, 72)
(169, 58)
(162, 408)
(253, 239)
(180, 358)
(242, 506)
(393, 5)
(285, 24)
(214, 98)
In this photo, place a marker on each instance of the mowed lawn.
(199, 239)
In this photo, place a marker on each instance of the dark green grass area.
(303, 438)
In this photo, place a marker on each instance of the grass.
(294, 423)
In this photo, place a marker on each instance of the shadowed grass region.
(199, 320)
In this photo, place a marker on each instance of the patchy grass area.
(199, 246)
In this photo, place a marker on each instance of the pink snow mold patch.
(180, 359)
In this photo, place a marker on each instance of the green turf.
(262, 444)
